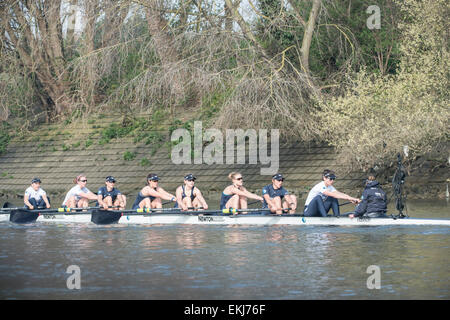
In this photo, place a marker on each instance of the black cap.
(278, 177)
(190, 177)
(330, 175)
(36, 180)
(110, 179)
(153, 177)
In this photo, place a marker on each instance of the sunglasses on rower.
(85, 180)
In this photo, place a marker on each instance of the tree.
(379, 114)
(32, 29)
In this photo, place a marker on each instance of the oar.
(60, 210)
(178, 211)
(85, 208)
(7, 210)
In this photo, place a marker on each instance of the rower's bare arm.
(89, 195)
(122, 200)
(163, 194)
(27, 203)
(339, 195)
(234, 190)
(179, 196)
(268, 200)
(100, 200)
(291, 200)
(245, 193)
(253, 196)
(147, 191)
(201, 199)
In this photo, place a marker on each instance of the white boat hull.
(240, 219)
(274, 220)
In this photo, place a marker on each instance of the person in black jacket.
(374, 201)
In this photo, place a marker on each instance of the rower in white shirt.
(35, 197)
(79, 195)
(323, 197)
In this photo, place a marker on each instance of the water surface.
(227, 262)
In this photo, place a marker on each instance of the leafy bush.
(378, 115)
(128, 156)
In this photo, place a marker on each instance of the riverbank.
(101, 145)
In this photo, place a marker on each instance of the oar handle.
(65, 209)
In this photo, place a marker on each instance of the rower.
(374, 201)
(35, 197)
(277, 198)
(79, 195)
(189, 196)
(109, 196)
(323, 197)
(150, 196)
(235, 196)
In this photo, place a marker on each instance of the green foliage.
(76, 144)
(88, 143)
(114, 131)
(144, 162)
(370, 88)
(378, 115)
(128, 156)
(341, 42)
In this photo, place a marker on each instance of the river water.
(227, 262)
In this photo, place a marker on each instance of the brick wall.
(58, 154)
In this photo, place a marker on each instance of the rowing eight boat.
(98, 216)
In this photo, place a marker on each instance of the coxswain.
(189, 196)
(373, 201)
(35, 197)
(150, 196)
(323, 197)
(277, 198)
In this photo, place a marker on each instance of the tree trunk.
(166, 51)
(307, 35)
(245, 28)
(71, 22)
(228, 19)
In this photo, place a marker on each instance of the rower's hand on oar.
(30, 207)
(351, 215)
